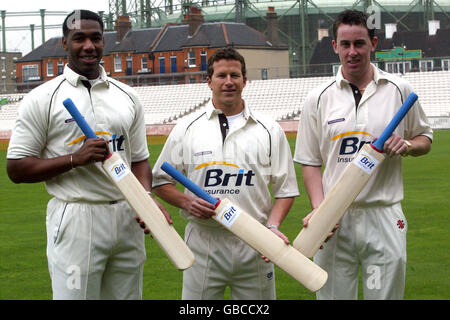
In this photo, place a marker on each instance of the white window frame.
(28, 75)
(144, 64)
(117, 64)
(49, 68)
(191, 59)
(335, 69)
(394, 67)
(445, 64)
(423, 65)
(60, 64)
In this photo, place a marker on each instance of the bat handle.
(84, 126)
(378, 145)
(181, 178)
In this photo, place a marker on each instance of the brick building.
(165, 55)
(8, 71)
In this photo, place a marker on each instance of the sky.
(20, 40)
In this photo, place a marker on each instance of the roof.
(173, 38)
(138, 41)
(53, 48)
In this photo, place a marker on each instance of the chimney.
(433, 27)
(272, 26)
(122, 25)
(390, 28)
(194, 19)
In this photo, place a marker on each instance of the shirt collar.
(377, 76)
(75, 78)
(211, 111)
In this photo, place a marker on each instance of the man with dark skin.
(95, 248)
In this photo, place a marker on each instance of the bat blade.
(117, 170)
(347, 188)
(258, 236)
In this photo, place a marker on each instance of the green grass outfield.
(23, 263)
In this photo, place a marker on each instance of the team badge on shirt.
(401, 224)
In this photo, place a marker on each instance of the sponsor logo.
(366, 163)
(228, 215)
(227, 181)
(115, 142)
(401, 224)
(118, 170)
(202, 153)
(336, 120)
(350, 145)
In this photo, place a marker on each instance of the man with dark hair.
(95, 248)
(231, 152)
(339, 117)
(73, 18)
(352, 18)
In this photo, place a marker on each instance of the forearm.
(312, 179)
(420, 145)
(32, 169)
(280, 209)
(170, 194)
(143, 172)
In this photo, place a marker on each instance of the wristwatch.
(409, 145)
(272, 226)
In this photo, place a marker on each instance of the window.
(4, 83)
(30, 72)
(191, 59)
(117, 64)
(203, 60)
(60, 67)
(426, 65)
(336, 69)
(445, 63)
(264, 74)
(398, 67)
(49, 68)
(144, 65)
(129, 65)
(162, 66)
(173, 64)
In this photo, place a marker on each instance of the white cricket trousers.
(221, 260)
(370, 238)
(94, 251)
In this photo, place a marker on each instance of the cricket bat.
(349, 185)
(257, 236)
(145, 207)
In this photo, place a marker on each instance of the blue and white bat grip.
(84, 126)
(189, 184)
(378, 145)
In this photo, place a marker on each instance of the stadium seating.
(281, 99)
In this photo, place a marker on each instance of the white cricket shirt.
(332, 130)
(45, 129)
(254, 154)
